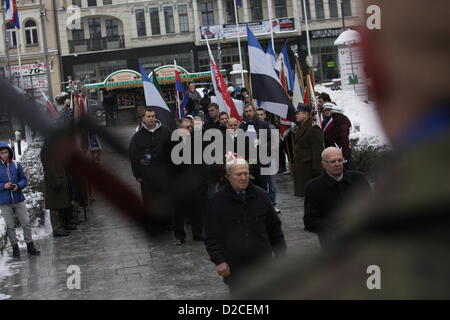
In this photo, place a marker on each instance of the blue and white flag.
(153, 99)
(288, 69)
(265, 83)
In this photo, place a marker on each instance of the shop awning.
(131, 79)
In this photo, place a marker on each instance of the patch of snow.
(365, 123)
(348, 37)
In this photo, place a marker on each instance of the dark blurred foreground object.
(404, 231)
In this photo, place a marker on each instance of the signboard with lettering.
(353, 76)
(261, 27)
(28, 69)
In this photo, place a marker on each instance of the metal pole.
(44, 39)
(8, 63)
(239, 41)
(19, 43)
(342, 13)
(269, 5)
(58, 44)
(307, 27)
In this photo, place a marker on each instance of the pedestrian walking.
(12, 200)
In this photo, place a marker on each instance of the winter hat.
(230, 89)
(303, 108)
(328, 106)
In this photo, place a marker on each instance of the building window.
(95, 30)
(112, 28)
(256, 8)
(92, 3)
(308, 10)
(230, 12)
(76, 3)
(207, 10)
(154, 19)
(183, 17)
(280, 8)
(333, 8)
(320, 14)
(140, 23)
(11, 36)
(78, 34)
(31, 33)
(106, 2)
(347, 7)
(168, 19)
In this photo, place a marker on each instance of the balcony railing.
(105, 43)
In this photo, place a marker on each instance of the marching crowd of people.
(232, 205)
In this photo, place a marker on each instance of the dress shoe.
(32, 249)
(179, 242)
(61, 233)
(16, 251)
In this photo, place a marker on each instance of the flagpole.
(239, 41)
(307, 27)
(19, 44)
(178, 109)
(269, 5)
(8, 63)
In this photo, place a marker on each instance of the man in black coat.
(253, 129)
(149, 154)
(324, 194)
(242, 226)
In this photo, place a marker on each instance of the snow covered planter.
(2, 235)
(34, 192)
(366, 155)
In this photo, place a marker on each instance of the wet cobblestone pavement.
(117, 260)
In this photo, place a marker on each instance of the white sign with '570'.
(29, 69)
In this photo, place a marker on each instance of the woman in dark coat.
(308, 147)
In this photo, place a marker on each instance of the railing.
(105, 43)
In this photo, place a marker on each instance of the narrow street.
(118, 261)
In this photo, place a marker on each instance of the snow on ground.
(362, 115)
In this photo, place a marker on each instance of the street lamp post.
(342, 13)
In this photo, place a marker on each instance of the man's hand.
(8, 185)
(223, 269)
(15, 188)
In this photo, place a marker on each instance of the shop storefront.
(128, 92)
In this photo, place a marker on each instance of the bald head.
(331, 152)
(233, 124)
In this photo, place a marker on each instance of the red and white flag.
(223, 97)
(50, 106)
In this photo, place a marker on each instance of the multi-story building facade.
(99, 37)
(28, 41)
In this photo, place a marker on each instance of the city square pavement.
(118, 261)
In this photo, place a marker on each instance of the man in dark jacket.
(253, 129)
(336, 129)
(213, 114)
(308, 148)
(149, 154)
(325, 193)
(110, 106)
(242, 227)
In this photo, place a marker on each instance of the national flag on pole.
(50, 106)
(223, 97)
(298, 90)
(181, 94)
(239, 3)
(154, 79)
(154, 99)
(12, 14)
(311, 100)
(265, 83)
(287, 66)
(270, 53)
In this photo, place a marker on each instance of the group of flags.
(271, 79)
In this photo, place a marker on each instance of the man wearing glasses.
(326, 192)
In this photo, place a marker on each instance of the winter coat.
(11, 172)
(336, 133)
(241, 233)
(324, 195)
(308, 147)
(195, 97)
(258, 125)
(149, 151)
(57, 191)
